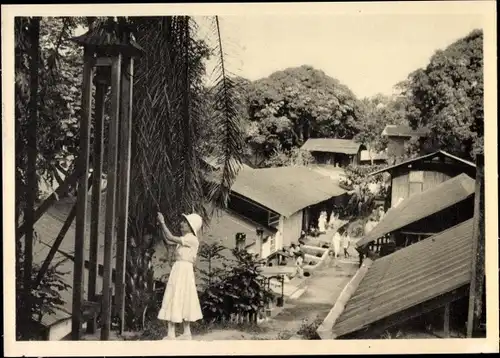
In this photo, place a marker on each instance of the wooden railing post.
(32, 181)
(82, 196)
(97, 166)
(123, 187)
(110, 230)
(476, 283)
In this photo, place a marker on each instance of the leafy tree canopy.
(290, 106)
(377, 112)
(447, 97)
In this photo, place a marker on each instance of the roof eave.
(362, 244)
(423, 157)
(326, 328)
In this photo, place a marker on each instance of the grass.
(308, 329)
(156, 330)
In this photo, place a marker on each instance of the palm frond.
(227, 125)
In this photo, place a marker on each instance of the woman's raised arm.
(169, 237)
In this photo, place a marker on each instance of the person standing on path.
(322, 222)
(180, 301)
(346, 241)
(336, 240)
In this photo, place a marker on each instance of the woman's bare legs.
(171, 330)
(187, 329)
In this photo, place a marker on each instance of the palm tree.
(170, 110)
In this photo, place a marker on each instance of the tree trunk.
(32, 182)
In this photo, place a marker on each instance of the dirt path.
(323, 289)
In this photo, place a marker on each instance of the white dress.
(332, 219)
(180, 301)
(336, 240)
(322, 223)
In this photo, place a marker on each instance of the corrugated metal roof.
(408, 277)
(437, 154)
(367, 155)
(392, 130)
(331, 145)
(285, 190)
(334, 173)
(422, 205)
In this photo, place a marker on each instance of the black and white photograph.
(225, 174)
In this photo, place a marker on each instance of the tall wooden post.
(32, 184)
(124, 183)
(446, 324)
(82, 196)
(110, 230)
(97, 166)
(476, 284)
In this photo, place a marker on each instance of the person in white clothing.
(336, 241)
(346, 241)
(180, 301)
(322, 222)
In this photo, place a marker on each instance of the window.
(246, 209)
(416, 181)
(273, 243)
(416, 176)
(273, 219)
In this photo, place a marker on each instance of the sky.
(368, 53)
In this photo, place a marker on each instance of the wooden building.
(398, 135)
(432, 288)
(416, 175)
(281, 201)
(421, 215)
(333, 151)
(368, 157)
(427, 280)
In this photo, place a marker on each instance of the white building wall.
(292, 227)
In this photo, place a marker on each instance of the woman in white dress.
(322, 222)
(336, 240)
(180, 301)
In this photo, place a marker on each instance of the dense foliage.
(364, 188)
(238, 289)
(47, 80)
(210, 255)
(60, 69)
(377, 112)
(46, 298)
(290, 106)
(447, 97)
(289, 158)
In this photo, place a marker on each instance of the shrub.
(239, 289)
(210, 254)
(45, 298)
(308, 328)
(362, 200)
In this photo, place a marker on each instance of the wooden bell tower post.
(109, 52)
